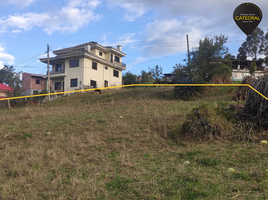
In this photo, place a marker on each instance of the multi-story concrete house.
(32, 83)
(84, 66)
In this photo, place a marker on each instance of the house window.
(74, 63)
(100, 53)
(74, 82)
(105, 83)
(116, 59)
(94, 65)
(111, 57)
(93, 84)
(37, 81)
(58, 86)
(58, 67)
(35, 92)
(106, 67)
(116, 74)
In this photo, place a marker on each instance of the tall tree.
(156, 73)
(242, 55)
(9, 77)
(252, 68)
(129, 78)
(145, 76)
(254, 45)
(209, 59)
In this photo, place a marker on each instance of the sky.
(151, 32)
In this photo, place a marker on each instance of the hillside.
(116, 145)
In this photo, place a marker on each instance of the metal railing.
(120, 64)
(56, 72)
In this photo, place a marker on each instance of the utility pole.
(188, 48)
(48, 74)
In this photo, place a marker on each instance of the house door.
(105, 83)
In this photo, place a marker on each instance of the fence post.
(8, 102)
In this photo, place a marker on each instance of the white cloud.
(24, 22)
(5, 59)
(19, 3)
(69, 19)
(126, 40)
(16, 31)
(138, 60)
(172, 20)
(134, 9)
(164, 37)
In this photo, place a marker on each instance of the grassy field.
(115, 145)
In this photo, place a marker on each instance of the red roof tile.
(4, 87)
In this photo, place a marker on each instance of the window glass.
(74, 82)
(116, 74)
(74, 63)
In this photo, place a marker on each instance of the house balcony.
(56, 74)
(119, 64)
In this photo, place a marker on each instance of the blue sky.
(151, 32)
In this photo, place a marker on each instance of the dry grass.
(92, 153)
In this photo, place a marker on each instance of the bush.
(215, 122)
(185, 92)
(242, 91)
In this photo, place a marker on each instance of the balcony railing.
(119, 64)
(56, 72)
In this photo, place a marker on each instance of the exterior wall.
(98, 54)
(92, 74)
(100, 75)
(29, 82)
(40, 86)
(114, 80)
(2, 94)
(27, 92)
(72, 73)
(240, 74)
(57, 80)
(26, 81)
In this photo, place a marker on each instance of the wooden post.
(8, 102)
(188, 49)
(48, 73)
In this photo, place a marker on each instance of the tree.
(252, 68)
(129, 78)
(242, 55)
(266, 44)
(9, 77)
(156, 73)
(254, 45)
(266, 60)
(259, 63)
(145, 76)
(179, 71)
(209, 59)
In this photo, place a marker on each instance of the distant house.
(169, 78)
(4, 90)
(241, 70)
(88, 65)
(32, 83)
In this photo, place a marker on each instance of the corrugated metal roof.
(40, 75)
(4, 87)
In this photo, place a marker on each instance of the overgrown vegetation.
(242, 91)
(256, 107)
(93, 153)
